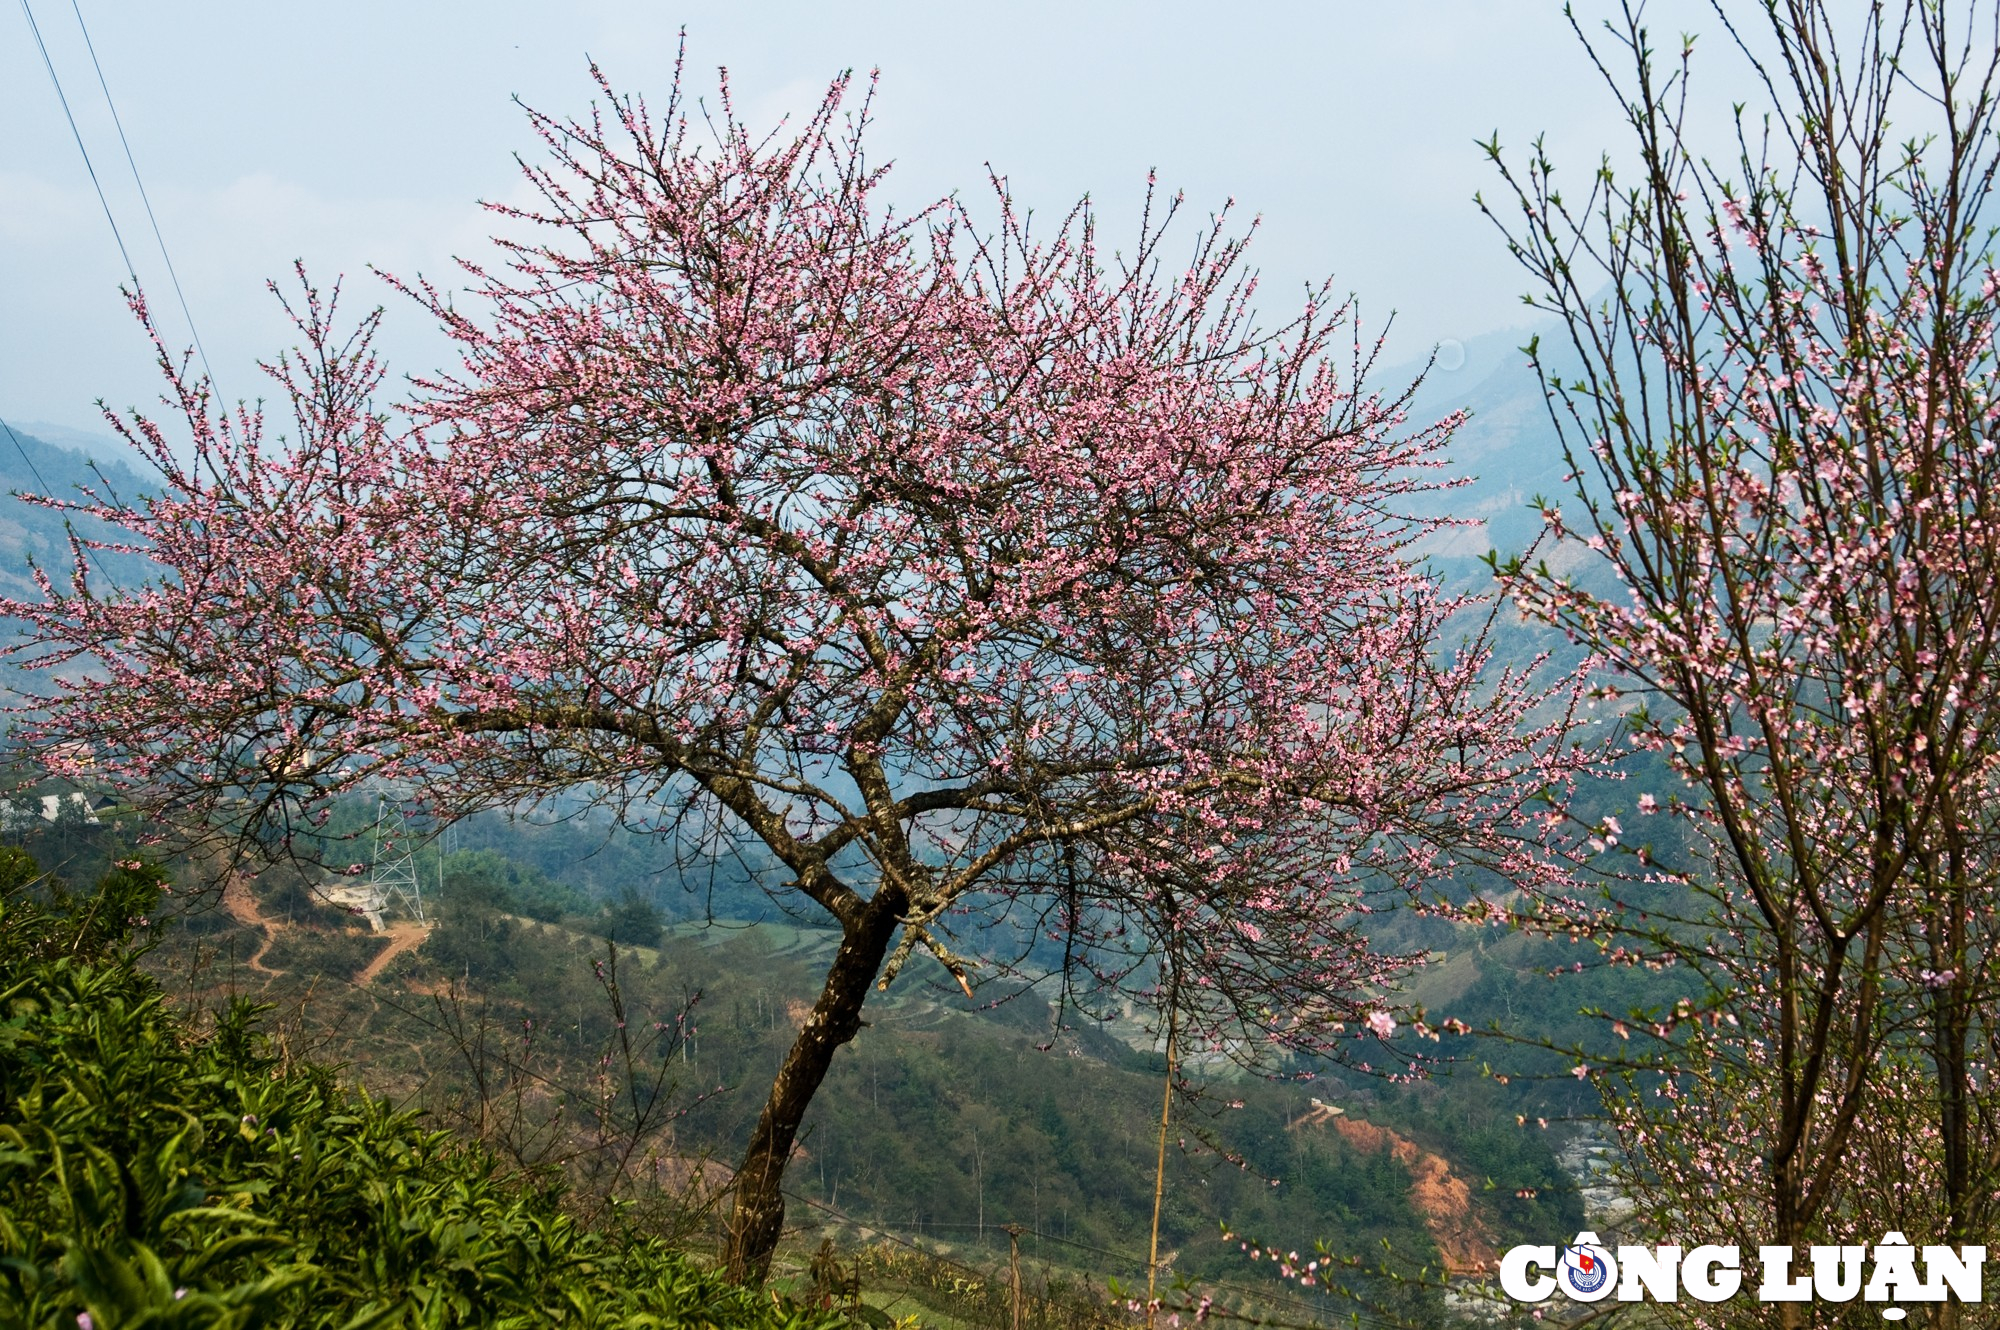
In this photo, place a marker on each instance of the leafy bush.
(151, 1176)
(631, 921)
(486, 882)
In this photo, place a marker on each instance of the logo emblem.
(1586, 1271)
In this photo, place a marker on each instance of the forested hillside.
(620, 1074)
(946, 1122)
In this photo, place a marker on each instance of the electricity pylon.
(394, 872)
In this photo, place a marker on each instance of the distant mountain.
(33, 535)
(98, 445)
(1504, 456)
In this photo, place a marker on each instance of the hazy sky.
(365, 132)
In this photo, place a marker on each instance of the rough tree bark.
(757, 1214)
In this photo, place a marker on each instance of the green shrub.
(153, 1177)
(632, 921)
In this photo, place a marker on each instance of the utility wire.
(103, 202)
(33, 470)
(144, 198)
(48, 492)
(77, 134)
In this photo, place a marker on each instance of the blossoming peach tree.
(1005, 590)
(1777, 394)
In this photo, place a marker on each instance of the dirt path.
(404, 935)
(242, 907)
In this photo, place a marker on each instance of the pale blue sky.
(365, 131)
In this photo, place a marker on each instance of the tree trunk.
(757, 1214)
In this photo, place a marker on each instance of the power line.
(102, 202)
(48, 492)
(33, 470)
(77, 134)
(144, 198)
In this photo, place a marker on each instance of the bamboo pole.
(1014, 1268)
(1160, 1164)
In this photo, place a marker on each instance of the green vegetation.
(487, 882)
(154, 1176)
(942, 1124)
